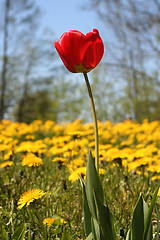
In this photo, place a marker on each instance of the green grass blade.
(3, 234)
(19, 232)
(66, 236)
(128, 236)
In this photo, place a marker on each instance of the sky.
(62, 15)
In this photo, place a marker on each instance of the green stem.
(41, 224)
(94, 120)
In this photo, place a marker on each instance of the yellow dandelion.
(29, 146)
(3, 147)
(5, 164)
(29, 196)
(102, 171)
(31, 160)
(29, 137)
(25, 146)
(92, 144)
(79, 171)
(8, 155)
(59, 159)
(62, 221)
(74, 134)
(157, 177)
(82, 172)
(50, 221)
(78, 162)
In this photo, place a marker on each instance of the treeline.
(125, 85)
(132, 36)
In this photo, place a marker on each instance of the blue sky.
(62, 15)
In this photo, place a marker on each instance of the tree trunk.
(5, 61)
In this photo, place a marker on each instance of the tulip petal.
(88, 57)
(62, 55)
(92, 50)
(71, 45)
(98, 52)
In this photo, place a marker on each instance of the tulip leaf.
(92, 183)
(139, 219)
(86, 211)
(90, 237)
(105, 220)
(149, 214)
(95, 229)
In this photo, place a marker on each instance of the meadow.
(40, 192)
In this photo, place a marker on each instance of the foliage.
(26, 59)
(131, 35)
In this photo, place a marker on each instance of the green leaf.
(149, 214)
(19, 232)
(3, 234)
(86, 211)
(95, 229)
(90, 237)
(66, 236)
(139, 218)
(30, 233)
(105, 220)
(92, 183)
(57, 230)
(128, 236)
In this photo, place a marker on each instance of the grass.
(129, 154)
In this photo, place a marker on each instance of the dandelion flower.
(5, 164)
(3, 147)
(50, 221)
(74, 134)
(59, 159)
(31, 160)
(82, 172)
(29, 197)
(155, 178)
(74, 175)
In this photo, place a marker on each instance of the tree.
(4, 60)
(37, 106)
(133, 52)
(25, 56)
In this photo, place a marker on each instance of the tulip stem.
(94, 120)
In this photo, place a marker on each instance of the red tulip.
(79, 52)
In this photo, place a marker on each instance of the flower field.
(40, 192)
